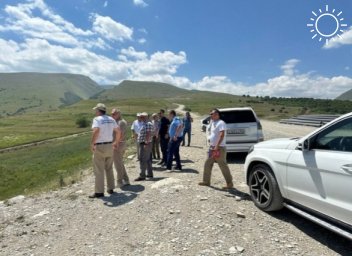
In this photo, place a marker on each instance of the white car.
(243, 128)
(311, 176)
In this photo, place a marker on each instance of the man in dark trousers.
(176, 136)
(164, 136)
(144, 139)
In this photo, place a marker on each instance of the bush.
(82, 122)
(187, 109)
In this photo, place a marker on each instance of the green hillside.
(345, 96)
(136, 89)
(23, 92)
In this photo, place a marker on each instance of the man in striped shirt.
(144, 140)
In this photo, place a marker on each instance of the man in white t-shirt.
(135, 128)
(217, 151)
(102, 146)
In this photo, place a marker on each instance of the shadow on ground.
(127, 194)
(328, 238)
(133, 188)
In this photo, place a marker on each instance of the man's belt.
(103, 143)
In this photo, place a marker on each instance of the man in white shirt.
(217, 151)
(102, 146)
(135, 128)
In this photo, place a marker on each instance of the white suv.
(311, 176)
(243, 128)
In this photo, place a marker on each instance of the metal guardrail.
(309, 120)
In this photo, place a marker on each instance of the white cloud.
(110, 29)
(52, 44)
(130, 52)
(345, 39)
(289, 67)
(142, 40)
(140, 3)
(106, 4)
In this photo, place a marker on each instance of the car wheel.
(264, 189)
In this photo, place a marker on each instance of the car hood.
(283, 143)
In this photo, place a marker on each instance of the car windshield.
(238, 116)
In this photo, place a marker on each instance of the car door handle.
(347, 168)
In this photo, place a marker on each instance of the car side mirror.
(306, 145)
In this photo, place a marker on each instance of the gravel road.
(170, 215)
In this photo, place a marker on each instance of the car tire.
(264, 188)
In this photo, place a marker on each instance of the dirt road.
(170, 215)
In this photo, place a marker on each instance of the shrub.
(82, 122)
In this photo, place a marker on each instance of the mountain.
(345, 96)
(136, 89)
(23, 92)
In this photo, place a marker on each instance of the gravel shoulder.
(171, 215)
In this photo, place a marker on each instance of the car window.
(238, 116)
(336, 138)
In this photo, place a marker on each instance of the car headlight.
(251, 149)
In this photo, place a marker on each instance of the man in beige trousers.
(102, 146)
(122, 177)
(217, 151)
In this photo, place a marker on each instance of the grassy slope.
(345, 96)
(135, 89)
(42, 92)
(21, 129)
(36, 172)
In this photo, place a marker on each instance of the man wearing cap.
(135, 128)
(122, 177)
(102, 146)
(145, 148)
(217, 151)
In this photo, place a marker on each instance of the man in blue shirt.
(176, 137)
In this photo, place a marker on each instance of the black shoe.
(150, 176)
(139, 179)
(179, 168)
(110, 191)
(96, 195)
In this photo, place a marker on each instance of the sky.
(256, 47)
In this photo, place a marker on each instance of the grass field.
(36, 126)
(202, 103)
(42, 167)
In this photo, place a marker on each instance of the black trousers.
(189, 135)
(163, 146)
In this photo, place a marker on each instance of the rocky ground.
(170, 215)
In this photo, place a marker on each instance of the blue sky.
(248, 46)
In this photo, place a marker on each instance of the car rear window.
(238, 116)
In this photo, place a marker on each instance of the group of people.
(109, 138)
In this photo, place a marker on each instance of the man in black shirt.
(163, 135)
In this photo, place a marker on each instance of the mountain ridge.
(346, 95)
(32, 91)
